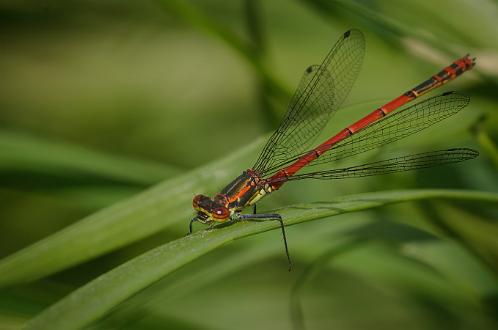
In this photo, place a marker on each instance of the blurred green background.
(101, 100)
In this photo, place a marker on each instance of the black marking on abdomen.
(410, 93)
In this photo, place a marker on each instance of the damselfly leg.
(266, 217)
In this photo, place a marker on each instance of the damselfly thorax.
(244, 191)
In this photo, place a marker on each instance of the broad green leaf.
(97, 298)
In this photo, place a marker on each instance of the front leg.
(266, 217)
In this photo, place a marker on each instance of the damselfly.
(319, 95)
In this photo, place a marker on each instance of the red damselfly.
(322, 90)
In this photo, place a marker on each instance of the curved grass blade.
(296, 310)
(25, 154)
(95, 299)
(196, 18)
(120, 224)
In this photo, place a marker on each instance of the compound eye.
(221, 213)
(196, 200)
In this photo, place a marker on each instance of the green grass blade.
(24, 153)
(485, 141)
(193, 16)
(120, 224)
(97, 298)
(196, 18)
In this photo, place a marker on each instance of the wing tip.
(466, 153)
(311, 68)
(472, 153)
(352, 31)
(465, 99)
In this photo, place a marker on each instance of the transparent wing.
(393, 165)
(393, 127)
(321, 92)
(396, 126)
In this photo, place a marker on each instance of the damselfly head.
(210, 210)
(202, 217)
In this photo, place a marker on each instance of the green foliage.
(117, 225)
(115, 114)
(98, 297)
